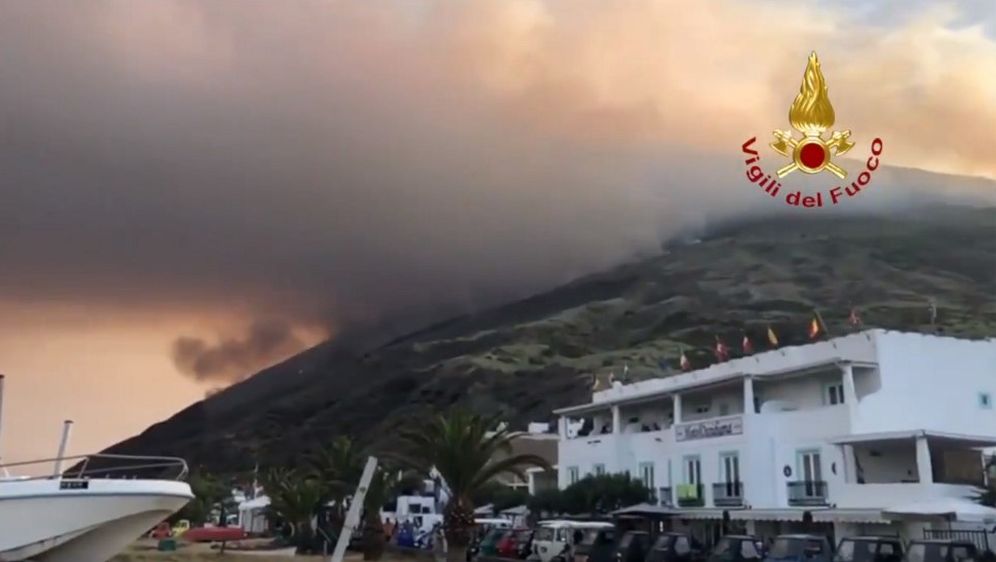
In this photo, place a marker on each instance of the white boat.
(89, 513)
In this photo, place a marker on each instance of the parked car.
(515, 543)
(598, 545)
(675, 547)
(869, 549)
(632, 547)
(489, 544)
(556, 539)
(737, 548)
(799, 548)
(940, 551)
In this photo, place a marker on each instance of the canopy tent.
(488, 509)
(951, 509)
(252, 514)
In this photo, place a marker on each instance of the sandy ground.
(145, 550)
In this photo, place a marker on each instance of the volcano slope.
(526, 358)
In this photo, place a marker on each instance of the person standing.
(439, 543)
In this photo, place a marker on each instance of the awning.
(952, 509)
(849, 516)
(742, 514)
(963, 440)
(644, 510)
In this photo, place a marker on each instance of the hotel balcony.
(663, 497)
(807, 493)
(728, 494)
(691, 495)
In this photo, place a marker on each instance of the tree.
(338, 467)
(500, 496)
(296, 498)
(468, 451)
(208, 490)
(592, 494)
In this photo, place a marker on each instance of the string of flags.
(816, 329)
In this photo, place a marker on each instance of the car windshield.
(545, 534)
(493, 536)
(856, 551)
(927, 552)
(597, 536)
(626, 540)
(664, 542)
(794, 547)
(724, 548)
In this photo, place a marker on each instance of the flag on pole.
(684, 362)
(722, 353)
(855, 318)
(772, 338)
(747, 345)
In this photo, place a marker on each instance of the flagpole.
(823, 324)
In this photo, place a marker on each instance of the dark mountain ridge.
(531, 356)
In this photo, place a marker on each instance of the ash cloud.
(231, 360)
(336, 163)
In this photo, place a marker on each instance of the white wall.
(887, 462)
(931, 383)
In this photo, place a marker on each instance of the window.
(724, 409)
(647, 474)
(810, 468)
(599, 469)
(573, 475)
(833, 394)
(985, 401)
(729, 468)
(693, 470)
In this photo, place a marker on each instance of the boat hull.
(61, 520)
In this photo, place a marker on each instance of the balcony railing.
(807, 492)
(728, 494)
(664, 497)
(690, 495)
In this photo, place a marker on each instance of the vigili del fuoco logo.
(813, 153)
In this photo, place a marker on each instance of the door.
(811, 473)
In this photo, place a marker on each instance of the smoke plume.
(334, 163)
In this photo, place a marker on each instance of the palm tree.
(296, 499)
(339, 467)
(468, 451)
(208, 490)
(386, 485)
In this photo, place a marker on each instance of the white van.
(558, 537)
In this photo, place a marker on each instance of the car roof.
(746, 537)
(558, 523)
(872, 538)
(941, 541)
(800, 536)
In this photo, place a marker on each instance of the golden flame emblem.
(812, 114)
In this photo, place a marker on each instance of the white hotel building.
(874, 432)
